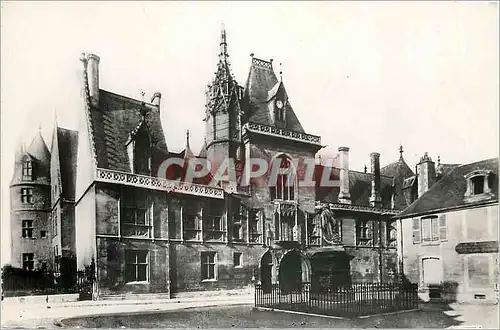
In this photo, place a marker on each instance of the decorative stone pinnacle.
(401, 149)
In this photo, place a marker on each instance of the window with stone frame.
(27, 195)
(363, 232)
(28, 170)
(237, 259)
(255, 226)
(391, 233)
(28, 261)
(240, 214)
(208, 266)
(27, 231)
(284, 187)
(136, 266)
(136, 213)
(192, 220)
(213, 220)
(479, 184)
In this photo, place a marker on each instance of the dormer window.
(139, 150)
(478, 185)
(279, 112)
(28, 170)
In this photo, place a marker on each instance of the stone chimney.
(93, 77)
(426, 172)
(156, 99)
(375, 199)
(344, 195)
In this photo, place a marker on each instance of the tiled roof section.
(261, 80)
(443, 169)
(38, 149)
(399, 171)
(67, 145)
(113, 123)
(449, 192)
(359, 187)
(203, 151)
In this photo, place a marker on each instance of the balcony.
(283, 133)
(142, 181)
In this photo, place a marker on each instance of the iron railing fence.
(348, 300)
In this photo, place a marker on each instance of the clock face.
(279, 104)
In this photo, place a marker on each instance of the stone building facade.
(30, 207)
(42, 205)
(449, 235)
(141, 228)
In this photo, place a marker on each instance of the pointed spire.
(188, 153)
(223, 44)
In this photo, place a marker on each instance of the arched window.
(28, 170)
(284, 187)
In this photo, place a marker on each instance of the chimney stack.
(156, 99)
(93, 77)
(375, 199)
(344, 195)
(426, 172)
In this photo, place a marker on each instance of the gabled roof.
(67, 145)
(448, 193)
(113, 122)
(359, 187)
(399, 171)
(259, 86)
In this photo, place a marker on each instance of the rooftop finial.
(187, 137)
(401, 150)
(223, 43)
(366, 169)
(142, 95)
(439, 160)
(281, 71)
(39, 127)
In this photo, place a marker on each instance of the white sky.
(364, 75)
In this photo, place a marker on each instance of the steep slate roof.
(399, 171)
(448, 193)
(113, 123)
(67, 145)
(261, 81)
(39, 154)
(359, 187)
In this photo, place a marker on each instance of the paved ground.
(194, 313)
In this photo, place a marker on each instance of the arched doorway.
(266, 267)
(293, 272)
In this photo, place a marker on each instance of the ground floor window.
(136, 267)
(208, 269)
(237, 259)
(28, 261)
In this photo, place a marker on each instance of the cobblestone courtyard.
(237, 313)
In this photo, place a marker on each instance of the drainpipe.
(380, 248)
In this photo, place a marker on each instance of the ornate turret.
(222, 115)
